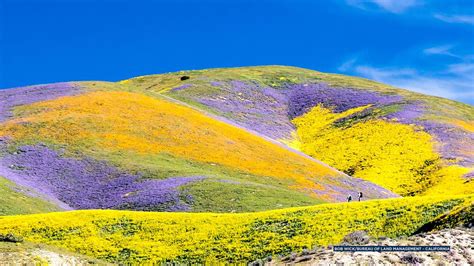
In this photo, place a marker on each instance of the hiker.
(360, 195)
(349, 198)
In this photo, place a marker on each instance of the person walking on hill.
(360, 195)
(349, 198)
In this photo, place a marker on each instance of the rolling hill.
(148, 152)
(239, 153)
(407, 142)
(252, 133)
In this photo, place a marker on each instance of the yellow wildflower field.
(148, 237)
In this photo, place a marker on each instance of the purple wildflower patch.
(182, 87)
(469, 176)
(9, 98)
(91, 184)
(408, 113)
(303, 97)
(455, 144)
(259, 108)
(269, 111)
(217, 83)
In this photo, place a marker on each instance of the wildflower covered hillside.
(109, 146)
(222, 165)
(409, 143)
(231, 140)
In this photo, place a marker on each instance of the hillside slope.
(105, 147)
(404, 141)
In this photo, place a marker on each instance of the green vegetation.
(15, 200)
(233, 196)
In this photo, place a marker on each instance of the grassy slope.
(14, 200)
(121, 236)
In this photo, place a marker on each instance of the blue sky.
(426, 46)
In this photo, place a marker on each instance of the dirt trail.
(36, 254)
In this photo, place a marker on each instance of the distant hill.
(232, 140)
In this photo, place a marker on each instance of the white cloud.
(394, 6)
(457, 86)
(384, 73)
(455, 82)
(400, 6)
(347, 65)
(440, 50)
(461, 69)
(467, 19)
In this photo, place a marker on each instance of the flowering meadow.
(228, 165)
(141, 237)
